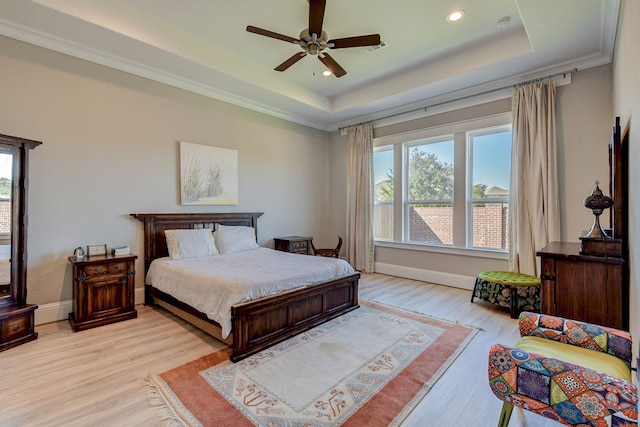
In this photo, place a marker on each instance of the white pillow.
(234, 238)
(190, 243)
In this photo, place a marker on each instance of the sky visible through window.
(6, 166)
(488, 151)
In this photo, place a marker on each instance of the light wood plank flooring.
(95, 377)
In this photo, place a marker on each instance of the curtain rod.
(539, 79)
(550, 76)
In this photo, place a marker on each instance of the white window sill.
(477, 253)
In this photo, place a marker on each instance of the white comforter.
(213, 284)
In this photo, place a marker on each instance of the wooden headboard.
(155, 244)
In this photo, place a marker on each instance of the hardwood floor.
(95, 377)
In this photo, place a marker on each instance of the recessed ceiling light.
(456, 15)
(326, 73)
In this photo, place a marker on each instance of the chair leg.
(473, 293)
(505, 414)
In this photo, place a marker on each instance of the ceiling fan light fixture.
(455, 15)
(327, 73)
(314, 40)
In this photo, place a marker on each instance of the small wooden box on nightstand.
(103, 290)
(295, 244)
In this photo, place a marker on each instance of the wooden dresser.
(103, 290)
(589, 280)
(583, 287)
(295, 244)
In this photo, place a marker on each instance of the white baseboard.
(53, 312)
(56, 311)
(438, 277)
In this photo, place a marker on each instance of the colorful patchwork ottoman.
(516, 291)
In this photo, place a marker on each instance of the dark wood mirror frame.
(16, 316)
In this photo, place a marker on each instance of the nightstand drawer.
(300, 246)
(16, 326)
(94, 270)
(102, 269)
(117, 267)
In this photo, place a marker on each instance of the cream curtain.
(534, 208)
(360, 249)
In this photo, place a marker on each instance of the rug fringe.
(160, 396)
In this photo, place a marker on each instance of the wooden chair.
(332, 253)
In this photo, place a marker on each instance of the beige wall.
(626, 105)
(583, 127)
(110, 148)
(584, 120)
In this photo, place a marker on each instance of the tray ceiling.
(202, 46)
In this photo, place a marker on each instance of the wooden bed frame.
(260, 323)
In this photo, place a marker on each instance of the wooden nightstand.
(103, 290)
(295, 244)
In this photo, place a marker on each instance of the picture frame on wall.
(208, 175)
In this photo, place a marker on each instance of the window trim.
(399, 143)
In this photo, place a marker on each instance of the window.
(383, 193)
(446, 186)
(490, 153)
(429, 201)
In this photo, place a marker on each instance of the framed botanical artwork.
(208, 175)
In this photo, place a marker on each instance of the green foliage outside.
(429, 179)
(478, 191)
(5, 187)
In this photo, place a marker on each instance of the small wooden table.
(294, 244)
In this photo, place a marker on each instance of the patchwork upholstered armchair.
(572, 372)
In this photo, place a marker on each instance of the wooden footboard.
(263, 322)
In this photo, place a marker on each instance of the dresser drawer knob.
(15, 327)
(96, 270)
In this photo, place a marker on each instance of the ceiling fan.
(314, 40)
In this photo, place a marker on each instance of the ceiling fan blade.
(316, 16)
(267, 33)
(357, 41)
(289, 62)
(332, 65)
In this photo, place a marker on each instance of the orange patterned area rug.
(369, 367)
